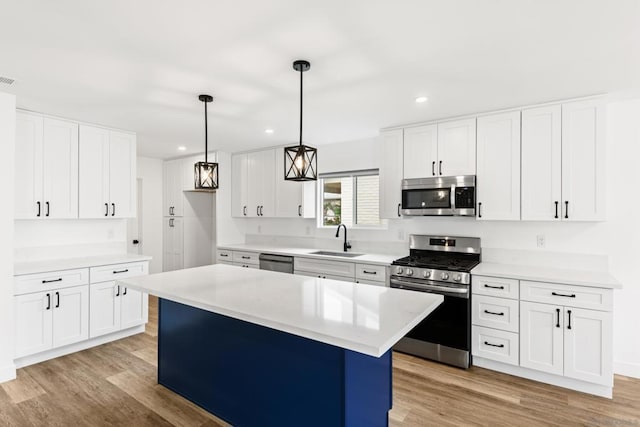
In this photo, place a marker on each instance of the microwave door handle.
(452, 196)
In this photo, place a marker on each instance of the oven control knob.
(426, 274)
(399, 270)
(457, 277)
(444, 276)
(409, 272)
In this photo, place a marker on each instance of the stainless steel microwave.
(446, 196)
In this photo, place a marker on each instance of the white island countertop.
(363, 318)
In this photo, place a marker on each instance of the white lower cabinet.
(541, 337)
(114, 308)
(70, 315)
(495, 344)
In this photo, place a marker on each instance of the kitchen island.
(261, 348)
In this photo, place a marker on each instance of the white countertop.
(380, 259)
(594, 279)
(363, 318)
(44, 266)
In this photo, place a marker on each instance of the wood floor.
(115, 384)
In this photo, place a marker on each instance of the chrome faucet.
(346, 245)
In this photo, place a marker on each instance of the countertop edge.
(44, 266)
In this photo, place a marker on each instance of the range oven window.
(432, 198)
(447, 325)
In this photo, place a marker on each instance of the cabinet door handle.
(244, 210)
(494, 287)
(48, 302)
(59, 279)
(558, 318)
(57, 299)
(38, 214)
(494, 345)
(299, 210)
(440, 167)
(399, 205)
(433, 168)
(480, 210)
(566, 209)
(106, 209)
(118, 291)
(555, 294)
(556, 216)
(257, 210)
(494, 313)
(113, 209)
(47, 214)
(569, 324)
(125, 291)
(126, 270)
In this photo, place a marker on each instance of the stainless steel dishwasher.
(281, 263)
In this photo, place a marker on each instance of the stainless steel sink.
(342, 254)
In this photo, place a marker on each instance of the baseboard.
(7, 373)
(72, 348)
(627, 369)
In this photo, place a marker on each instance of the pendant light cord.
(206, 134)
(301, 71)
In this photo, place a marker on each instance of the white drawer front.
(495, 286)
(224, 255)
(498, 313)
(567, 295)
(496, 345)
(244, 265)
(369, 272)
(325, 276)
(325, 268)
(30, 283)
(371, 282)
(106, 273)
(246, 257)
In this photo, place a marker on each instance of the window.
(350, 198)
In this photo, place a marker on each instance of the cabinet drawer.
(371, 282)
(106, 273)
(224, 255)
(39, 282)
(495, 286)
(496, 345)
(246, 257)
(326, 276)
(497, 313)
(325, 268)
(567, 295)
(376, 273)
(245, 265)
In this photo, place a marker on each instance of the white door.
(588, 346)
(292, 199)
(60, 166)
(583, 161)
(167, 203)
(254, 183)
(457, 148)
(268, 181)
(177, 244)
(93, 177)
(420, 152)
(33, 323)
(122, 174)
(391, 173)
(133, 308)
(541, 337)
(173, 188)
(167, 244)
(28, 170)
(104, 311)
(498, 174)
(134, 225)
(541, 164)
(239, 177)
(70, 315)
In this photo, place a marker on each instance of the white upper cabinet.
(421, 152)
(292, 199)
(541, 163)
(391, 173)
(107, 173)
(47, 179)
(583, 160)
(456, 148)
(498, 175)
(239, 184)
(173, 177)
(261, 183)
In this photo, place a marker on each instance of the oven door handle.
(422, 287)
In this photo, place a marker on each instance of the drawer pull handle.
(224, 255)
(59, 279)
(494, 345)
(369, 272)
(126, 270)
(246, 257)
(494, 287)
(494, 313)
(555, 294)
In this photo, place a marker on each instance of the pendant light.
(206, 174)
(300, 161)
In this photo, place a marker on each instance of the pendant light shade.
(206, 173)
(300, 161)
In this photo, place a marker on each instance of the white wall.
(615, 241)
(7, 145)
(150, 171)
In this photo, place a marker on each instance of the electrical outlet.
(541, 240)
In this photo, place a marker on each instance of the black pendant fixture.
(300, 161)
(206, 173)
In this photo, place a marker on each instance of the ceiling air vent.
(7, 80)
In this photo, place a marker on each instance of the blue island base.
(250, 375)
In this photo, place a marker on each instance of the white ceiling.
(139, 65)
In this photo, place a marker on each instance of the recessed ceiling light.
(269, 131)
(182, 148)
(421, 99)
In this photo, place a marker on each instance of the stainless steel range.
(440, 265)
